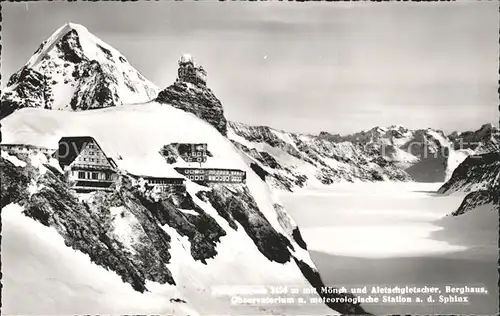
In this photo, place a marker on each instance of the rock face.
(476, 172)
(293, 160)
(196, 99)
(74, 70)
(476, 199)
(480, 176)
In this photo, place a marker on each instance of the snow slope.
(134, 135)
(42, 276)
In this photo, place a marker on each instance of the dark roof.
(225, 169)
(153, 177)
(110, 160)
(71, 147)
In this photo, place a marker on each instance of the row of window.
(193, 159)
(96, 160)
(225, 178)
(195, 153)
(195, 171)
(216, 178)
(196, 178)
(231, 172)
(164, 181)
(214, 172)
(18, 149)
(94, 175)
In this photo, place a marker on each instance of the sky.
(301, 67)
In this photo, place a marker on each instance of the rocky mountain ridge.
(428, 155)
(479, 175)
(289, 160)
(292, 160)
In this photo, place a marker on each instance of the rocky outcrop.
(479, 198)
(476, 172)
(96, 87)
(198, 100)
(236, 205)
(480, 176)
(29, 89)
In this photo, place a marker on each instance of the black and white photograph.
(250, 158)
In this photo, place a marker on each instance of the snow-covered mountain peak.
(76, 38)
(75, 70)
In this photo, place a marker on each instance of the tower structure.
(190, 72)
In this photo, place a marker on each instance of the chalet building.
(191, 152)
(190, 72)
(85, 164)
(164, 184)
(211, 175)
(25, 149)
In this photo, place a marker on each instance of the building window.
(81, 175)
(95, 175)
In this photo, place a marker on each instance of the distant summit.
(75, 70)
